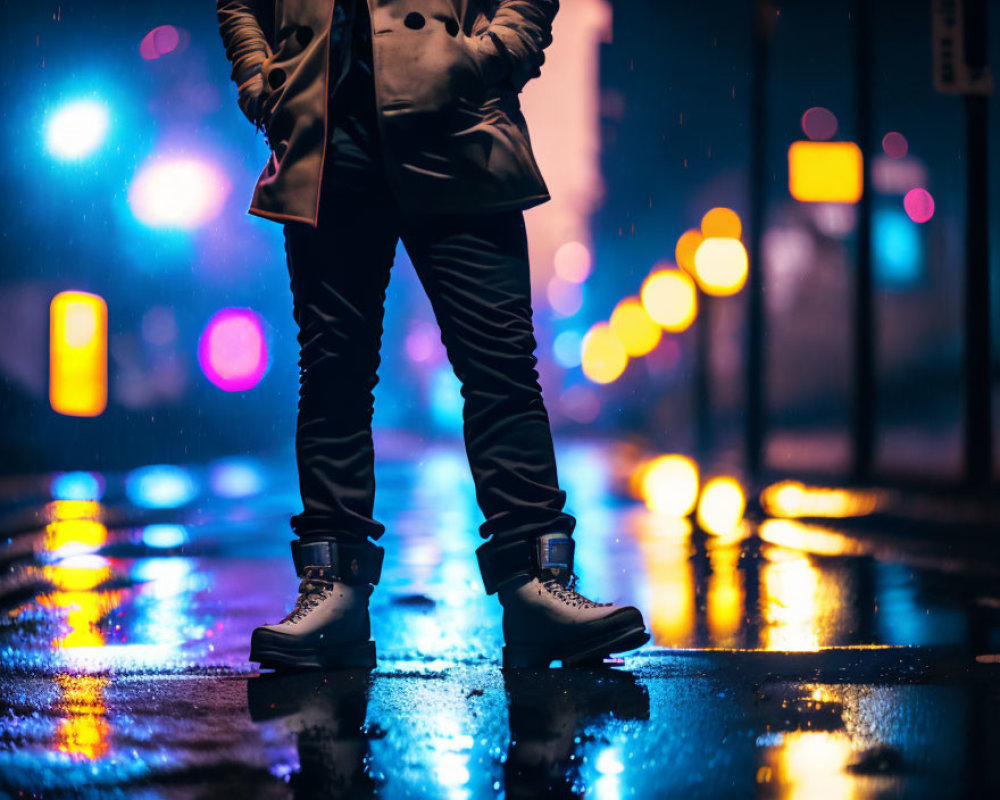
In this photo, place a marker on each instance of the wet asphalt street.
(789, 660)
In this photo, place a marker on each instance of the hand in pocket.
(251, 100)
(493, 63)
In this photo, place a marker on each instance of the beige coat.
(447, 78)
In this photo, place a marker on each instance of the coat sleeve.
(522, 29)
(240, 25)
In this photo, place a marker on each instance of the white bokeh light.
(178, 193)
(77, 129)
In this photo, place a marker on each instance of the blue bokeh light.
(160, 486)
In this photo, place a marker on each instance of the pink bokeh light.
(895, 145)
(819, 124)
(232, 351)
(919, 205)
(159, 41)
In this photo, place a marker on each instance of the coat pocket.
(426, 71)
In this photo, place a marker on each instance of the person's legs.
(475, 271)
(339, 272)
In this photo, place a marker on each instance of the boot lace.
(313, 589)
(567, 593)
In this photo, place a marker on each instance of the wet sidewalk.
(789, 659)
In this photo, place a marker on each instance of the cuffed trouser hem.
(307, 528)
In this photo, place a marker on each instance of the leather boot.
(544, 618)
(329, 627)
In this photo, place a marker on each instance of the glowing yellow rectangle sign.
(78, 354)
(826, 172)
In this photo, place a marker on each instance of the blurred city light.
(794, 535)
(72, 509)
(898, 251)
(670, 485)
(423, 342)
(603, 357)
(164, 536)
(897, 175)
(670, 298)
(77, 129)
(665, 543)
(79, 573)
(77, 486)
(446, 398)
(721, 506)
(232, 350)
(687, 246)
(235, 477)
(726, 595)
(635, 330)
(794, 499)
(819, 124)
(567, 349)
(182, 193)
(721, 223)
(573, 262)
(791, 611)
(73, 537)
(78, 354)
(825, 172)
(159, 41)
(894, 145)
(919, 205)
(814, 764)
(160, 486)
(85, 730)
(565, 297)
(721, 266)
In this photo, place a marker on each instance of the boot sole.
(271, 654)
(589, 652)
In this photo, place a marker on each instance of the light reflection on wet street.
(790, 659)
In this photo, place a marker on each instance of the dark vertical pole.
(863, 418)
(763, 21)
(978, 425)
(704, 438)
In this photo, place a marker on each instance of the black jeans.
(474, 268)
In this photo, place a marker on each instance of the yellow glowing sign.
(634, 328)
(670, 485)
(825, 172)
(670, 298)
(78, 354)
(604, 357)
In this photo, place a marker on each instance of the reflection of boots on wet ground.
(547, 710)
(326, 711)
